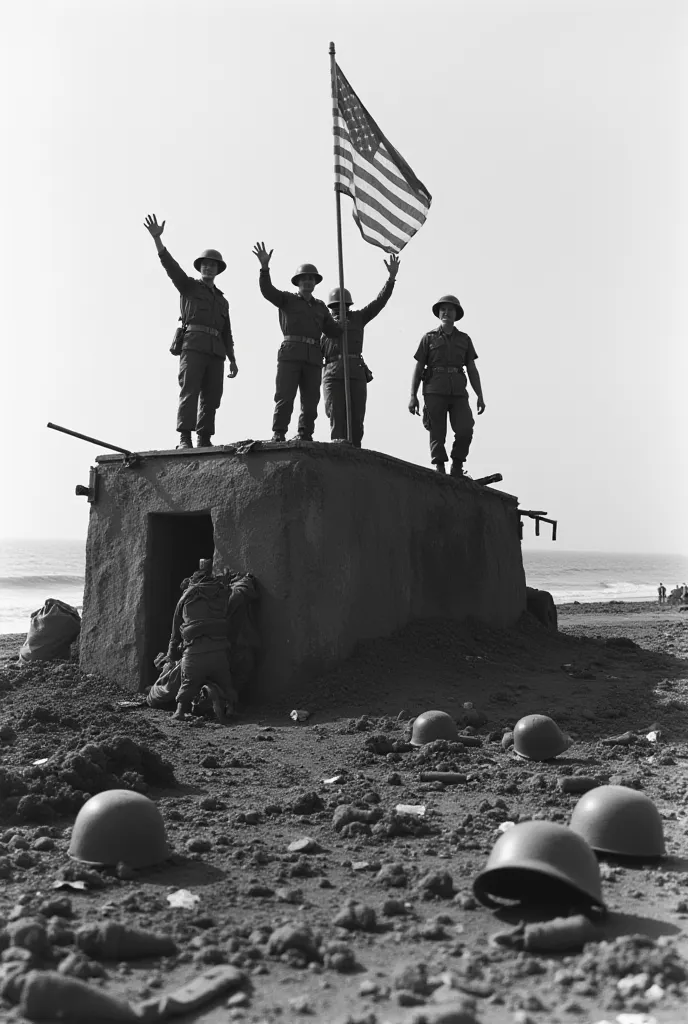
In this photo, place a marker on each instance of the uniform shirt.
(306, 318)
(201, 304)
(438, 351)
(357, 320)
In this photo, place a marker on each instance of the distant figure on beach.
(303, 319)
(203, 342)
(359, 374)
(440, 360)
(661, 591)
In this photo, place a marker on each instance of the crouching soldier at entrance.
(440, 359)
(202, 342)
(200, 632)
(303, 320)
(359, 374)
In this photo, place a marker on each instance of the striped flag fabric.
(390, 203)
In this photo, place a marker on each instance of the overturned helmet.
(539, 738)
(306, 268)
(445, 301)
(620, 821)
(119, 825)
(433, 725)
(540, 862)
(333, 300)
(210, 254)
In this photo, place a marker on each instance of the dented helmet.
(619, 820)
(433, 725)
(119, 825)
(537, 863)
(539, 738)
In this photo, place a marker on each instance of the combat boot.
(182, 710)
(457, 469)
(185, 439)
(302, 437)
(439, 468)
(203, 440)
(279, 435)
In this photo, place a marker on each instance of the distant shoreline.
(620, 608)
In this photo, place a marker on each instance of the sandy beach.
(243, 794)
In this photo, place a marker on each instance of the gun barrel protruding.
(93, 440)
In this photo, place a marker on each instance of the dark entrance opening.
(176, 543)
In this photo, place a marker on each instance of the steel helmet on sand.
(539, 738)
(540, 862)
(119, 825)
(433, 725)
(619, 820)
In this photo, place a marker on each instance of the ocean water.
(33, 570)
(595, 576)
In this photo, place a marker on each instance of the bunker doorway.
(176, 543)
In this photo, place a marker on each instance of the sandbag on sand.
(53, 629)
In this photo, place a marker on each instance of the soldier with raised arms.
(359, 374)
(440, 360)
(206, 343)
(303, 319)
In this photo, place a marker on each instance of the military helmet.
(540, 862)
(446, 299)
(433, 725)
(539, 738)
(333, 300)
(619, 820)
(210, 254)
(119, 825)
(307, 268)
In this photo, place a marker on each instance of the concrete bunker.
(346, 544)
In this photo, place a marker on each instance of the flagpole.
(340, 256)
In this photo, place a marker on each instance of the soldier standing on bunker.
(303, 320)
(199, 627)
(359, 374)
(440, 359)
(206, 339)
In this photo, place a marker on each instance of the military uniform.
(333, 375)
(299, 361)
(201, 621)
(207, 342)
(444, 390)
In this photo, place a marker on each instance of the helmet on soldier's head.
(619, 820)
(211, 254)
(433, 725)
(333, 300)
(119, 825)
(540, 862)
(539, 738)
(307, 268)
(446, 300)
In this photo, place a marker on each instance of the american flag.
(390, 203)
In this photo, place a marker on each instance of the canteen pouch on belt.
(178, 339)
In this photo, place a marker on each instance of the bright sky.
(551, 135)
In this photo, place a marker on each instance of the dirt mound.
(66, 781)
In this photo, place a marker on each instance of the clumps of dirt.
(42, 719)
(41, 792)
(440, 752)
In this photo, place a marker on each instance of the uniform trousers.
(335, 408)
(201, 380)
(457, 407)
(292, 376)
(205, 667)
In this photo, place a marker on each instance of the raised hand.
(151, 225)
(263, 255)
(392, 265)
